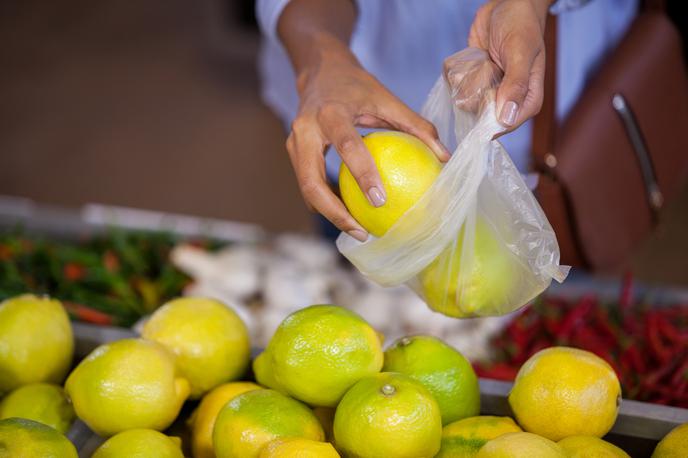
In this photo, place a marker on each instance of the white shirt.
(403, 43)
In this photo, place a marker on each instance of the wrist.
(324, 50)
(542, 9)
(543, 5)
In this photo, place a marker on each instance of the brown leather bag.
(622, 152)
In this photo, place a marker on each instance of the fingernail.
(376, 197)
(358, 234)
(509, 113)
(442, 149)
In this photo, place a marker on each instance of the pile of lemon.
(323, 387)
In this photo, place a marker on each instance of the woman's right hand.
(336, 95)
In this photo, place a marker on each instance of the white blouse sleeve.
(268, 13)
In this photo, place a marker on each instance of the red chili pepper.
(88, 314)
(662, 353)
(573, 318)
(110, 261)
(605, 326)
(681, 374)
(668, 330)
(681, 389)
(518, 335)
(634, 359)
(653, 379)
(73, 271)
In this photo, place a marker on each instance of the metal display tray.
(637, 430)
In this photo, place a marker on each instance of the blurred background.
(155, 105)
(109, 107)
(148, 104)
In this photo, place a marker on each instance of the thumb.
(519, 96)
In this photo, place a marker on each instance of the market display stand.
(637, 430)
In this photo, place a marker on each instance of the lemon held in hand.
(464, 438)
(209, 340)
(36, 341)
(140, 443)
(318, 353)
(521, 445)
(562, 391)
(22, 438)
(590, 446)
(251, 420)
(407, 168)
(203, 419)
(388, 415)
(42, 402)
(441, 369)
(131, 383)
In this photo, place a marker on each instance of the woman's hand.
(337, 94)
(511, 32)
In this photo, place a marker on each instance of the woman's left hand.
(511, 32)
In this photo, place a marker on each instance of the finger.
(337, 127)
(513, 92)
(478, 34)
(305, 147)
(536, 89)
(395, 112)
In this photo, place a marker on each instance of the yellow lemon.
(262, 369)
(562, 391)
(479, 288)
(674, 444)
(131, 383)
(463, 438)
(203, 418)
(41, 402)
(317, 353)
(247, 423)
(407, 168)
(521, 445)
(590, 447)
(295, 447)
(22, 438)
(36, 341)
(140, 443)
(388, 415)
(445, 372)
(209, 340)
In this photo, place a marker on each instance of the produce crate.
(637, 429)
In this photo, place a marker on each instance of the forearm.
(312, 30)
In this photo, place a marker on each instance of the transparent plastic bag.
(477, 243)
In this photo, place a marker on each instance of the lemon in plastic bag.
(470, 281)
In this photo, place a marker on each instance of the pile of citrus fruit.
(323, 387)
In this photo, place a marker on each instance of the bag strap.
(659, 5)
(545, 122)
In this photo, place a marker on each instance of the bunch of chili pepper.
(647, 346)
(113, 278)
